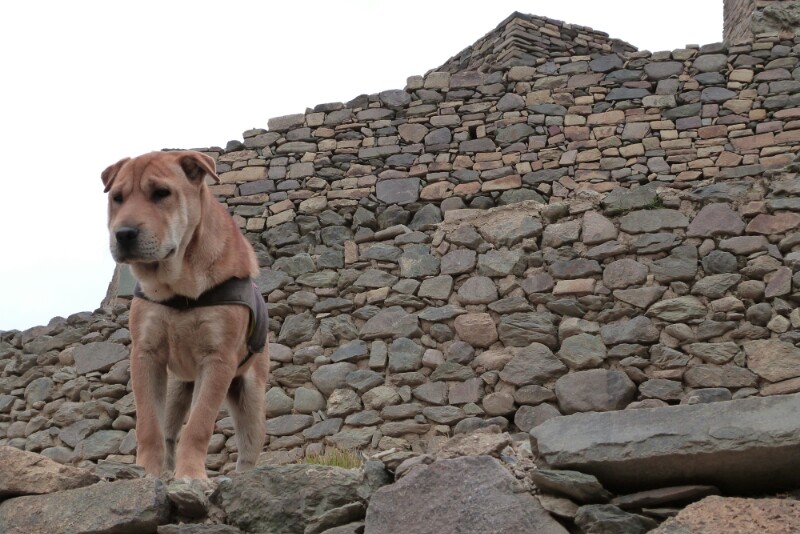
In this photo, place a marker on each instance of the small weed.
(336, 457)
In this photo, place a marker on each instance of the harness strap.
(242, 291)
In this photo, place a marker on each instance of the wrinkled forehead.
(150, 167)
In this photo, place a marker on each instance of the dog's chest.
(185, 339)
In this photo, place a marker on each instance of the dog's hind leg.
(247, 407)
(179, 400)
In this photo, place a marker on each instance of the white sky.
(86, 83)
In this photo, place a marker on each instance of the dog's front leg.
(215, 378)
(149, 374)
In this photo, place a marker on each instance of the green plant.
(345, 458)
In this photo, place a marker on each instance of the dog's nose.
(126, 235)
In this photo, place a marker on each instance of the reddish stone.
(774, 224)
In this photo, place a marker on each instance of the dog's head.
(154, 201)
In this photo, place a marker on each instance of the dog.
(198, 330)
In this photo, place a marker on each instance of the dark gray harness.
(233, 291)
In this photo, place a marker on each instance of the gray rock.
(287, 499)
(458, 261)
(535, 364)
(351, 351)
(306, 401)
(26, 473)
(404, 356)
(623, 273)
(681, 264)
(297, 328)
(137, 505)
(362, 380)
(772, 359)
(644, 221)
(522, 329)
(660, 388)
(716, 285)
(678, 310)
(417, 262)
(578, 486)
(278, 402)
(718, 262)
(722, 376)
(401, 191)
(498, 263)
(582, 351)
(640, 329)
(375, 278)
(343, 402)
(660, 70)
(469, 494)
(477, 290)
(286, 425)
(607, 518)
(333, 376)
(716, 220)
(100, 444)
(98, 356)
(710, 62)
(624, 199)
(510, 229)
(596, 390)
(528, 417)
(390, 322)
(438, 287)
(680, 445)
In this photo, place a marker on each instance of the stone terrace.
(593, 229)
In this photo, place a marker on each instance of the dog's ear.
(110, 173)
(197, 165)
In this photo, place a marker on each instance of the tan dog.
(180, 242)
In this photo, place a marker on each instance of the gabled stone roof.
(529, 40)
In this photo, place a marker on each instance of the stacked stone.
(640, 252)
(524, 39)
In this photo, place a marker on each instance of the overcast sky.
(87, 83)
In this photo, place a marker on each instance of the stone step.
(739, 446)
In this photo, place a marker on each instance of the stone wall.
(745, 18)
(593, 232)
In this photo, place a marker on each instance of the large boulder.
(26, 473)
(743, 445)
(473, 494)
(122, 507)
(287, 499)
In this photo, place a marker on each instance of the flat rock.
(724, 515)
(470, 494)
(595, 390)
(27, 473)
(716, 220)
(125, 506)
(578, 486)
(98, 356)
(633, 450)
(285, 499)
(772, 359)
(601, 518)
(390, 322)
(661, 496)
(644, 221)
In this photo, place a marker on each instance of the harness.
(240, 291)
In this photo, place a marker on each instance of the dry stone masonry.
(550, 224)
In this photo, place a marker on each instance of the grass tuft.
(336, 457)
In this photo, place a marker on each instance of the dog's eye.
(117, 198)
(158, 194)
